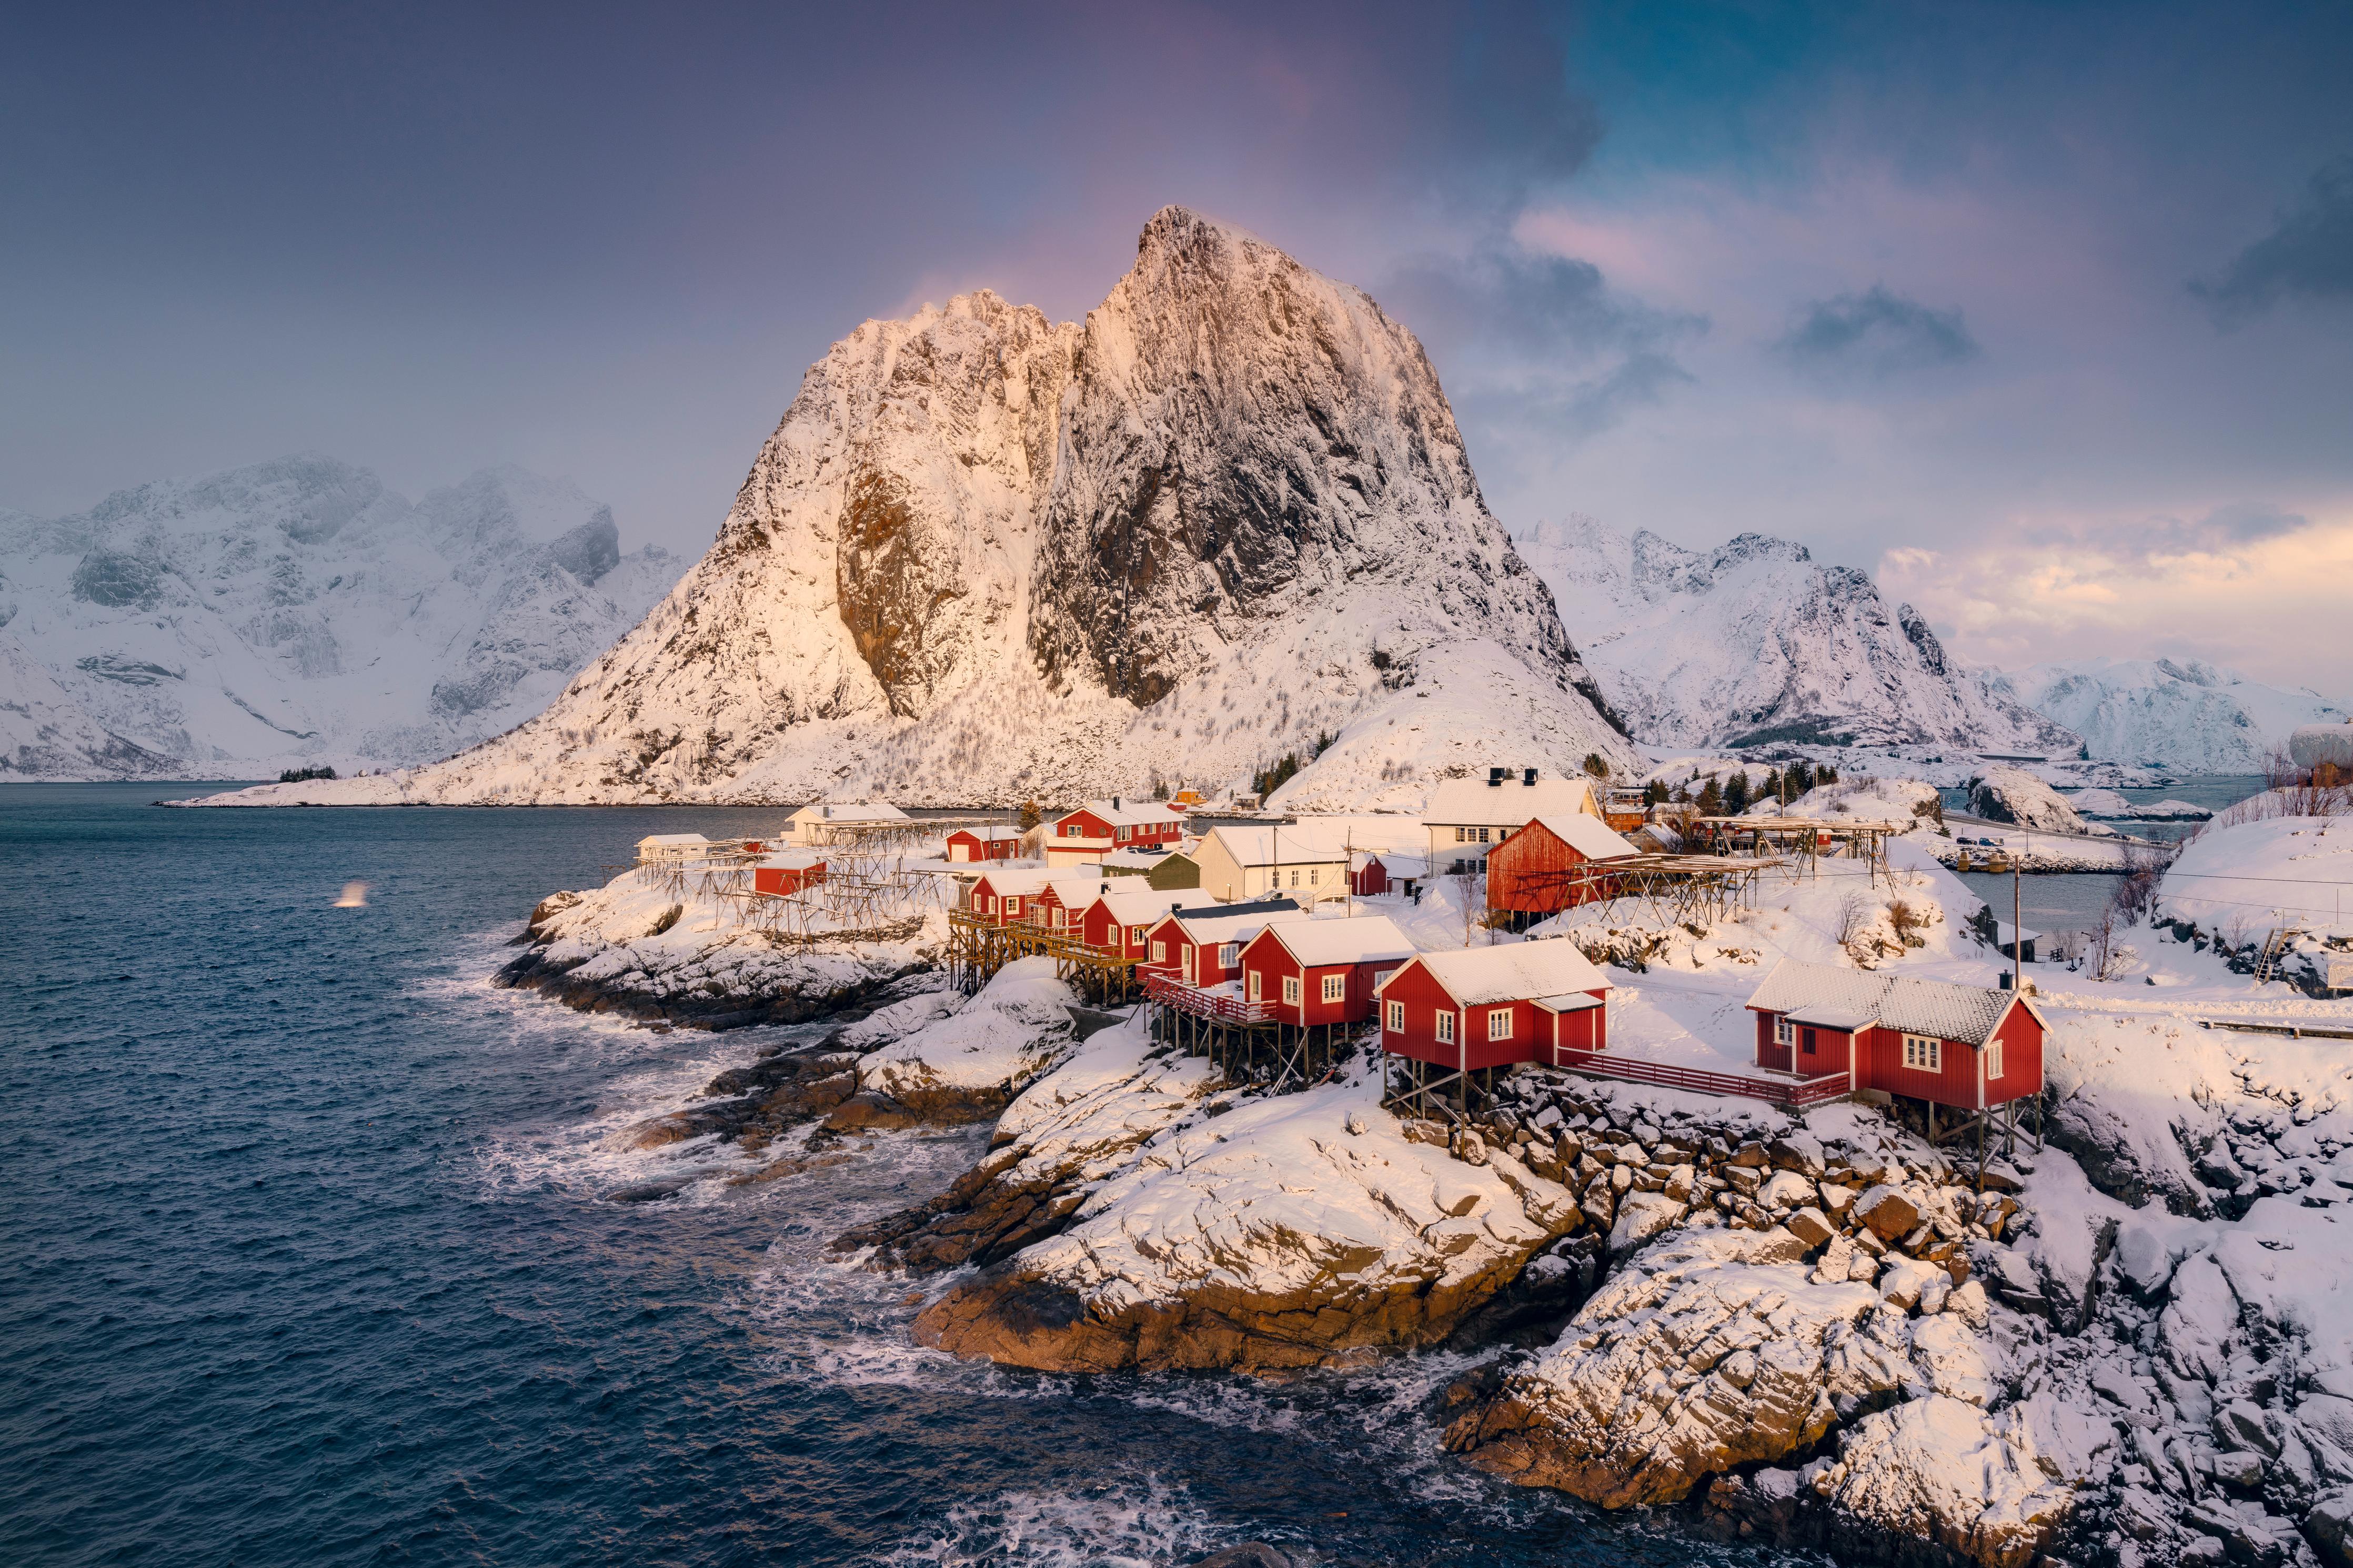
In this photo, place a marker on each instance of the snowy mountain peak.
(985, 556)
(2177, 714)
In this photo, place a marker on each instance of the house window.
(1993, 1059)
(1294, 876)
(1315, 876)
(1230, 955)
(1396, 1017)
(1461, 836)
(1784, 1032)
(1135, 934)
(1255, 976)
(1012, 906)
(1058, 913)
(1381, 978)
(1335, 987)
(1445, 1028)
(1923, 1055)
(1498, 1024)
(1483, 836)
(1291, 990)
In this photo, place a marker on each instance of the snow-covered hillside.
(45, 733)
(986, 556)
(1753, 643)
(2187, 715)
(299, 611)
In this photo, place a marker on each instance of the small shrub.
(1595, 765)
(304, 776)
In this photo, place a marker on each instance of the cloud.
(2309, 256)
(1877, 332)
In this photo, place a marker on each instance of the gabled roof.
(988, 835)
(1139, 906)
(672, 840)
(1589, 836)
(1144, 858)
(1516, 971)
(1966, 1014)
(1075, 889)
(1234, 923)
(1360, 939)
(848, 811)
(1475, 803)
(790, 859)
(1285, 843)
(1127, 813)
(1016, 881)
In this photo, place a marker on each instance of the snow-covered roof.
(848, 811)
(1589, 836)
(1131, 905)
(790, 859)
(1142, 859)
(1285, 843)
(672, 841)
(1519, 971)
(1829, 1016)
(997, 835)
(1127, 813)
(1236, 922)
(1077, 889)
(1476, 803)
(1360, 939)
(1016, 881)
(1969, 1014)
(1570, 1002)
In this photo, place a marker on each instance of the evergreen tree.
(1596, 766)
(1711, 799)
(1030, 814)
(1654, 793)
(1801, 777)
(1772, 785)
(1829, 775)
(1735, 794)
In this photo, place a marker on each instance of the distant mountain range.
(299, 612)
(2181, 714)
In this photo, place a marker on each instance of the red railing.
(1666, 1074)
(1218, 1007)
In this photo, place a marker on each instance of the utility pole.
(2017, 932)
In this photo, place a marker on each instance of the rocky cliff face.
(1755, 642)
(299, 610)
(984, 556)
(2184, 714)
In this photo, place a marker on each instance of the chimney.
(1529, 777)
(1495, 777)
(1114, 802)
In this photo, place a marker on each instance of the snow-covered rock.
(1907, 801)
(2014, 796)
(45, 734)
(2182, 714)
(299, 611)
(986, 556)
(1941, 1470)
(1753, 643)
(2242, 879)
(971, 1063)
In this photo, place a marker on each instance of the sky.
(2042, 313)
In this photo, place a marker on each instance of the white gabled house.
(1467, 817)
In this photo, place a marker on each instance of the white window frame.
(1290, 991)
(1396, 1017)
(1159, 953)
(1134, 933)
(1923, 1053)
(1252, 986)
(1230, 954)
(1993, 1057)
(1499, 1023)
(1380, 978)
(1461, 836)
(1335, 988)
(1013, 907)
(1785, 1033)
(1445, 1027)
(1315, 876)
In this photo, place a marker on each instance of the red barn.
(1540, 869)
(1121, 920)
(1100, 827)
(1491, 1006)
(1321, 972)
(1968, 1047)
(786, 872)
(1203, 947)
(975, 844)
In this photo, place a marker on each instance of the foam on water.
(1144, 1523)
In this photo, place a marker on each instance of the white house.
(1303, 860)
(1466, 817)
(671, 848)
(812, 823)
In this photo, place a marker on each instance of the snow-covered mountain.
(1753, 642)
(45, 734)
(2187, 715)
(984, 556)
(298, 611)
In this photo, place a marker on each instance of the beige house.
(1303, 860)
(1467, 817)
(815, 824)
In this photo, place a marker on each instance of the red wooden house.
(979, 844)
(1491, 1006)
(1100, 827)
(1546, 866)
(1203, 947)
(1121, 919)
(1004, 894)
(786, 872)
(1062, 899)
(1321, 972)
(1967, 1048)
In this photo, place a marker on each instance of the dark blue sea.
(306, 1263)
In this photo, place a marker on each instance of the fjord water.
(307, 1262)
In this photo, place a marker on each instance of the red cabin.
(1544, 868)
(1368, 877)
(1491, 1006)
(1968, 1048)
(1006, 894)
(977, 844)
(1203, 947)
(786, 873)
(1061, 902)
(1101, 826)
(1121, 920)
(1321, 972)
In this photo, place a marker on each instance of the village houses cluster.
(1230, 928)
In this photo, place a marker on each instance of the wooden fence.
(1792, 1092)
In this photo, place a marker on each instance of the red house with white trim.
(1121, 919)
(1100, 827)
(1203, 947)
(1968, 1047)
(977, 844)
(786, 872)
(1542, 869)
(1062, 899)
(1321, 972)
(1004, 894)
(1491, 1006)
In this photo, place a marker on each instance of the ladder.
(2275, 948)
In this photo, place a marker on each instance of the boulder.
(1639, 1218)
(2015, 795)
(1941, 1470)
(2329, 1528)
(1813, 1227)
(1786, 1190)
(1891, 1214)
